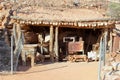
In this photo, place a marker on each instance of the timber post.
(111, 39)
(51, 44)
(56, 43)
(105, 37)
(18, 43)
(102, 52)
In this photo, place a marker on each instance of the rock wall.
(111, 71)
(4, 54)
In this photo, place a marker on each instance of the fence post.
(99, 66)
(12, 54)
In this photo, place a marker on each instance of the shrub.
(114, 10)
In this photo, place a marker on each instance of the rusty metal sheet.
(75, 46)
(116, 43)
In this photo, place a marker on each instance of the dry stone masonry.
(112, 69)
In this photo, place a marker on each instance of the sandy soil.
(57, 71)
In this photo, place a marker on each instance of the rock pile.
(112, 69)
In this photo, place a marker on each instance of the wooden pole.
(99, 64)
(105, 37)
(12, 54)
(18, 44)
(56, 43)
(51, 44)
(102, 52)
(111, 42)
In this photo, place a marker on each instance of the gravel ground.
(57, 71)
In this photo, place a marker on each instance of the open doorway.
(89, 36)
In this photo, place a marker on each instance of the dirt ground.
(57, 71)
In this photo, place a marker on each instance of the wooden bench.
(29, 50)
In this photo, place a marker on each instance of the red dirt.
(57, 71)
